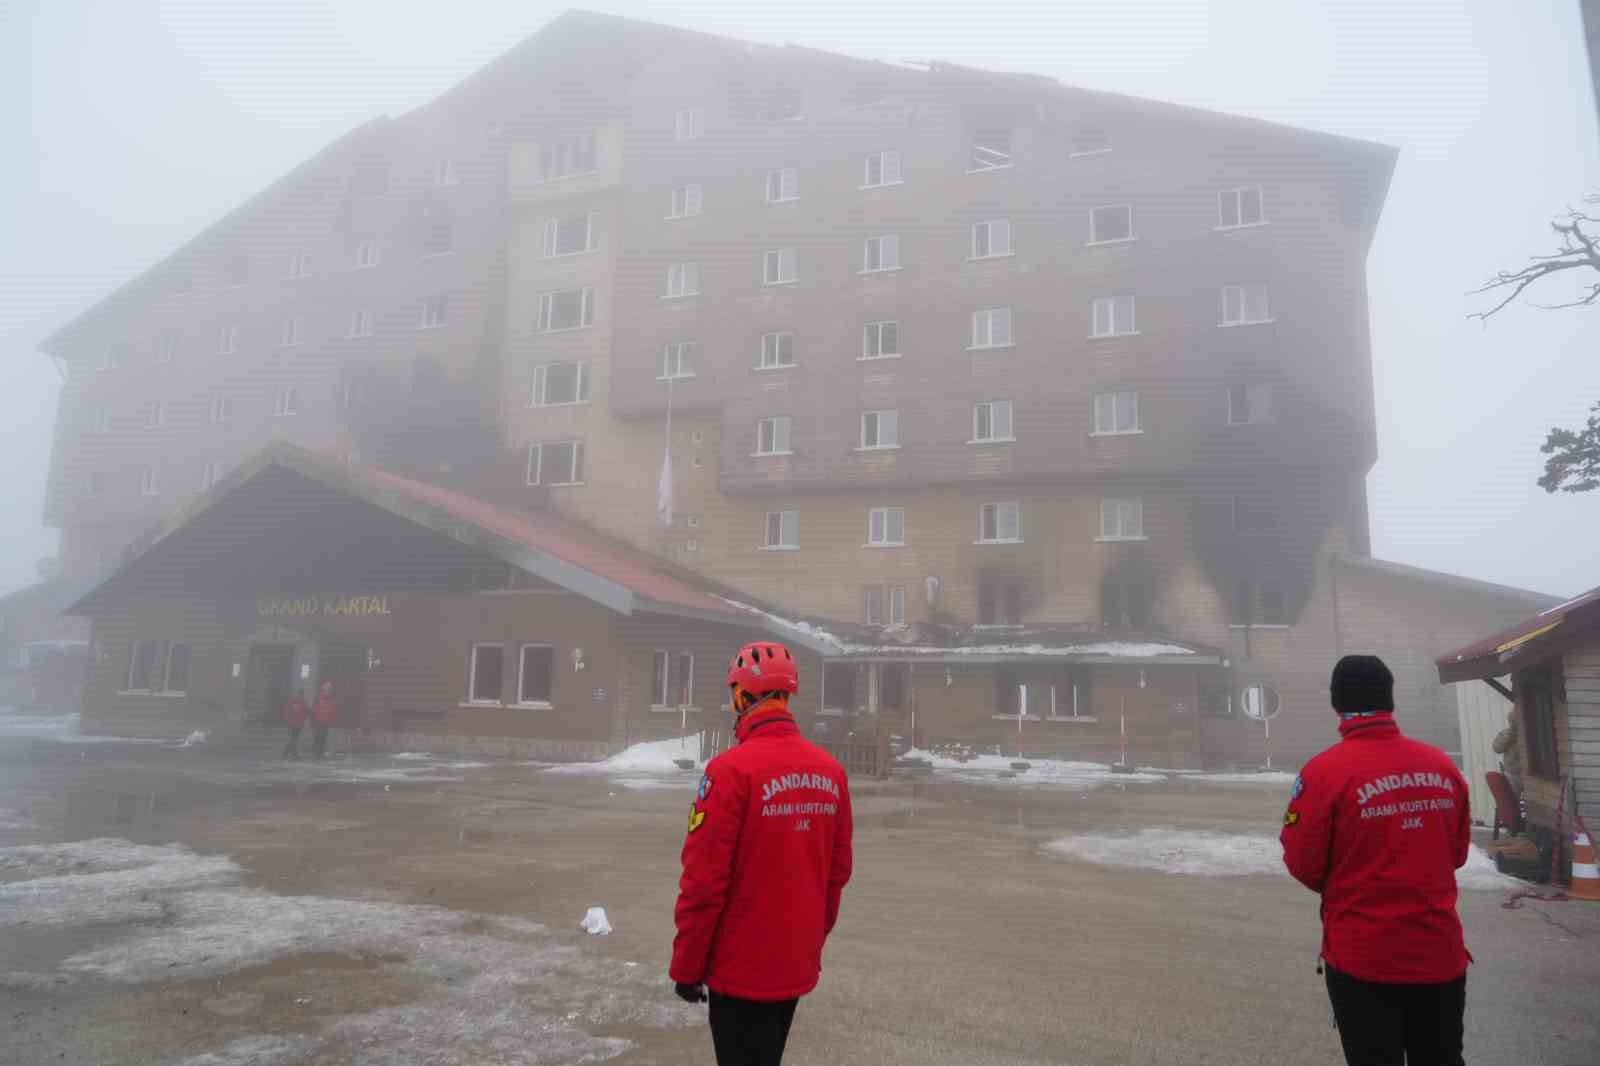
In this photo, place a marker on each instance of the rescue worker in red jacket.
(765, 861)
(1378, 825)
(295, 713)
(322, 718)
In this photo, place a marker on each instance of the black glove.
(690, 993)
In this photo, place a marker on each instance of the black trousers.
(1398, 1025)
(319, 746)
(291, 750)
(747, 1033)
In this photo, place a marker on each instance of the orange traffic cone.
(1585, 873)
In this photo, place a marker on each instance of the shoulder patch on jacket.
(1290, 817)
(1298, 787)
(697, 817)
(705, 786)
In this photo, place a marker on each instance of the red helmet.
(763, 667)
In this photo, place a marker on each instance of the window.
(147, 481)
(1113, 223)
(366, 255)
(444, 173)
(683, 279)
(560, 383)
(166, 347)
(360, 323)
(111, 359)
(880, 253)
(221, 407)
(1125, 599)
(886, 527)
(883, 168)
(1111, 316)
(783, 529)
(570, 234)
(1122, 519)
(777, 349)
(142, 665)
(783, 102)
(567, 309)
(556, 463)
(991, 239)
(991, 146)
(287, 401)
(1000, 523)
(1536, 694)
(101, 424)
(780, 267)
(783, 185)
(991, 328)
(567, 155)
(1239, 207)
(999, 602)
(683, 692)
(435, 311)
(880, 340)
(991, 421)
(228, 340)
(1087, 138)
(292, 331)
(880, 429)
(839, 687)
(1259, 601)
(1254, 512)
(1116, 412)
(1249, 404)
(300, 264)
(534, 673)
(1216, 701)
(210, 474)
(772, 435)
(690, 123)
(154, 415)
(677, 360)
(175, 679)
(686, 201)
(438, 234)
(1244, 304)
(885, 605)
(486, 673)
(660, 664)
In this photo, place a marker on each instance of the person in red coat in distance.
(322, 718)
(1378, 825)
(295, 713)
(766, 859)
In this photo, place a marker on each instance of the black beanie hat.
(1361, 683)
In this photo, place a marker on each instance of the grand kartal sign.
(318, 606)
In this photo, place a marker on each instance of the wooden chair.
(1507, 808)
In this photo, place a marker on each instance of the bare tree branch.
(1578, 250)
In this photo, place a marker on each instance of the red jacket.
(766, 858)
(295, 711)
(324, 710)
(1378, 824)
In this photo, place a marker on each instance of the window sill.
(1114, 240)
(436, 255)
(565, 177)
(358, 266)
(887, 544)
(779, 284)
(481, 703)
(432, 325)
(1120, 540)
(1088, 152)
(1260, 625)
(993, 440)
(1084, 719)
(673, 377)
(531, 705)
(1242, 225)
(284, 414)
(557, 484)
(563, 329)
(1252, 322)
(680, 218)
(1017, 540)
(662, 708)
(1016, 717)
(569, 255)
(878, 270)
(563, 403)
(779, 548)
(881, 185)
(1113, 336)
(358, 336)
(1252, 422)
(296, 344)
(1117, 433)
(877, 448)
(989, 347)
(783, 200)
(157, 693)
(877, 358)
(770, 455)
(988, 169)
(774, 366)
(993, 255)
(681, 295)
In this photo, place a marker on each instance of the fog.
(134, 125)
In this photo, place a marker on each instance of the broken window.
(566, 155)
(1260, 601)
(839, 687)
(1112, 223)
(1216, 700)
(999, 602)
(537, 669)
(991, 145)
(486, 673)
(1124, 600)
(1535, 694)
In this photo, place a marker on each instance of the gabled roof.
(1441, 580)
(557, 550)
(1528, 643)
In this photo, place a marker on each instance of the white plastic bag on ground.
(595, 922)
(194, 740)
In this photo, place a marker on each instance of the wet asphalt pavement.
(162, 905)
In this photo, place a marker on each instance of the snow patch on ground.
(95, 881)
(1058, 772)
(684, 783)
(254, 1051)
(1265, 777)
(655, 756)
(1206, 854)
(62, 728)
(13, 821)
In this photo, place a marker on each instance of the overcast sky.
(134, 124)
